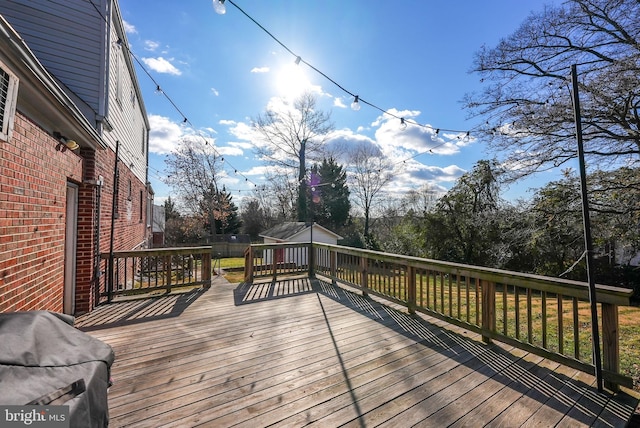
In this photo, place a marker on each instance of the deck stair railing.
(547, 316)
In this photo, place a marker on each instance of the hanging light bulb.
(403, 124)
(298, 59)
(355, 105)
(219, 7)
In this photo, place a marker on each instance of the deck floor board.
(299, 352)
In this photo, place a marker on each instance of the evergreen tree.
(329, 195)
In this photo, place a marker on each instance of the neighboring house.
(296, 232)
(67, 81)
(158, 226)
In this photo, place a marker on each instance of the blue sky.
(408, 57)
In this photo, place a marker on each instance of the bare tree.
(291, 135)
(371, 171)
(194, 173)
(527, 100)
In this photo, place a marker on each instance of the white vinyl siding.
(67, 37)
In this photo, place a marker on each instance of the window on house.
(8, 96)
(149, 208)
(118, 78)
(141, 205)
(129, 195)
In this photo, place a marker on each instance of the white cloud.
(337, 102)
(161, 65)
(242, 131)
(129, 28)
(150, 45)
(259, 170)
(215, 92)
(244, 145)
(415, 137)
(164, 134)
(260, 70)
(229, 151)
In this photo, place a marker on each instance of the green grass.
(235, 276)
(231, 262)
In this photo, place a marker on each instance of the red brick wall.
(33, 185)
(129, 231)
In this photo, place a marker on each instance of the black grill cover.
(45, 360)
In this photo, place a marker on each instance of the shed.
(296, 232)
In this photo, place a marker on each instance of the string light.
(355, 105)
(160, 91)
(219, 7)
(298, 60)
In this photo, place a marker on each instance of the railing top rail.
(159, 252)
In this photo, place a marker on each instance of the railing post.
(248, 265)
(411, 289)
(488, 309)
(334, 266)
(364, 276)
(110, 279)
(610, 342)
(206, 269)
(274, 263)
(167, 273)
(311, 260)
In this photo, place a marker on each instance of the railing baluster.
(466, 286)
(505, 309)
(529, 318)
(544, 320)
(560, 326)
(517, 312)
(576, 330)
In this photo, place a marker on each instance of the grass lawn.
(234, 276)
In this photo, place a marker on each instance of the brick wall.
(33, 186)
(129, 231)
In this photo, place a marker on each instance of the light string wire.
(403, 121)
(159, 89)
(298, 60)
(185, 119)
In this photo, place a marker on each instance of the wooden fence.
(547, 316)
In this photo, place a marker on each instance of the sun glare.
(291, 81)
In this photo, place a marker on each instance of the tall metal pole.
(114, 216)
(595, 334)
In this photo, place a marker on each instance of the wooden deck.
(298, 352)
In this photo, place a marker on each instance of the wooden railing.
(547, 316)
(143, 271)
(273, 260)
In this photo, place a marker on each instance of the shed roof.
(288, 230)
